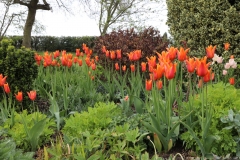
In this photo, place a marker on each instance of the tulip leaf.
(138, 104)
(34, 133)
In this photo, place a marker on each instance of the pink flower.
(224, 72)
(217, 59)
(227, 66)
(232, 63)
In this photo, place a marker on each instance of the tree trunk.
(28, 27)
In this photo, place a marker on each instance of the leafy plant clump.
(29, 130)
(221, 97)
(97, 117)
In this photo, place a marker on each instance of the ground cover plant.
(82, 110)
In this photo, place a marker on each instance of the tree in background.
(8, 18)
(200, 23)
(123, 13)
(33, 6)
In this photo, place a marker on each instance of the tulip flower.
(6, 88)
(149, 85)
(107, 53)
(170, 70)
(226, 46)
(56, 54)
(78, 52)
(119, 54)
(112, 55)
(47, 59)
(191, 65)
(232, 80)
(172, 52)
(104, 49)
(132, 66)
(158, 72)
(96, 58)
(210, 50)
(64, 60)
(217, 58)
(38, 58)
(93, 65)
(202, 66)
(117, 66)
(143, 66)
(225, 72)
(159, 84)
(32, 95)
(19, 96)
(80, 62)
(209, 76)
(69, 63)
(182, 54)
(152, 62)
(2, 80)
(124, 68)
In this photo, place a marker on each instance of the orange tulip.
(202, 67)
(32, 95)
(80, 62)
(6, 88)
(69, 63)
(159, 84)
(78, 52)
(210, 51)
(104, 49)
(124, 68)
(93, 65)
(87, 61)
(54, 62)
(75, 59)
(107, 53)
(170, 70)
(149, 85)
(117, 66)
(119, 54)
(132, 66)
(38, 57)
(158, 72)
(112, 55)
(182, 54)
(2, 80)
(226, 46)
(47, 59)
(172, 53)
(191, 65)
(64, 60)
(209, 76)
(232, 80)
(19, 96)
(96, 58)
(151, 62)
(143, 66)
(56, 54)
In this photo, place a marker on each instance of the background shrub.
(148, 41)
(18, 65)
(199, 23)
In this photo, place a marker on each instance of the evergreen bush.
(199, 23)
